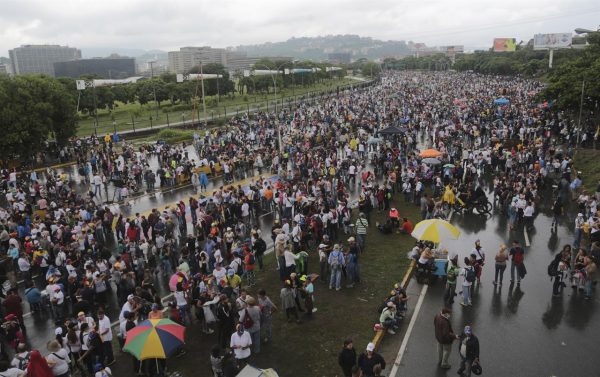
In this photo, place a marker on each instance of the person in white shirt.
(7, 371)
(528, 215)
(240, 343)
(58, 359)
(105, 331)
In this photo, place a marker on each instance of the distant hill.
(102, 52)
(319, 48)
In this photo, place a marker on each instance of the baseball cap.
(130, 297)
(371, 347)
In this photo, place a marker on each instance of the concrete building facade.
(40, 58)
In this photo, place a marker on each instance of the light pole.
(151, 62)
(580, 111)
(276, 117)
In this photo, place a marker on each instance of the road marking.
(526, 237)
(411, 325)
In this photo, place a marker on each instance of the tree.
(370, 69)
(34, 108)
(565, 82)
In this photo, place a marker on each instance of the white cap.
(58, 331)
(371, 347)
(130, 297)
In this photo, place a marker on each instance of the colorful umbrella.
(430, 153)
(178, 277)
(154, 339)
(434, 230)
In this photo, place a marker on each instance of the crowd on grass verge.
(333, 169)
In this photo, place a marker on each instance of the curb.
(378, 338)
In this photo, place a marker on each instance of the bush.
(171, 136)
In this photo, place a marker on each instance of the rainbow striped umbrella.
(154, 339)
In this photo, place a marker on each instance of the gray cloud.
(171, 24)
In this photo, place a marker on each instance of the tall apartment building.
(40, 58)
(187, 57)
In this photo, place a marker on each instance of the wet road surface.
(522, 329)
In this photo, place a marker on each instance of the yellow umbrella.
(434, 230)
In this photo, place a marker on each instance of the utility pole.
(151, 62)
(580, 111)
(203, 96)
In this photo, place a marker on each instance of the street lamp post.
(580, 111)
(276, 117)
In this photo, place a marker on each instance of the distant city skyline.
(156, 25)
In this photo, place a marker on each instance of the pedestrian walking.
(369, 359)
(360, 227)
(267, 308)
(336, 263)
(469, 277)
(445, 336)
(516, 254)
(500, 264)
(451, 279)
(468, 351)
(347, 358)
(240, 343)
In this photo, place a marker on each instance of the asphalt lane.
(522, 329)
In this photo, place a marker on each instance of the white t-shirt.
(61, 358)
(180, 298)
(104, 373)
(244, 341)
(104, 324)
(12, 372)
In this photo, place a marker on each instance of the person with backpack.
(21, 358)
(451, 278)
(58, 360)
(558, 271)
(250, 318)
(469, 276)
(10, 371)
(336, 262)
(259, 247)
(516, 254)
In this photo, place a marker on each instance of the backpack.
(335, 262)
(553, 267)
(248, 321)
(23, 361)
(470, 274)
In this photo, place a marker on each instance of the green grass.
(311, 348)
(128, 116)
(586, 161)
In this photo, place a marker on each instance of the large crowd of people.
(321, 169)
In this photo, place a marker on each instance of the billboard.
(505, 44)
(555, 40)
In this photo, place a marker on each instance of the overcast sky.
(168, 25)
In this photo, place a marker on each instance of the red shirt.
(407, 227)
